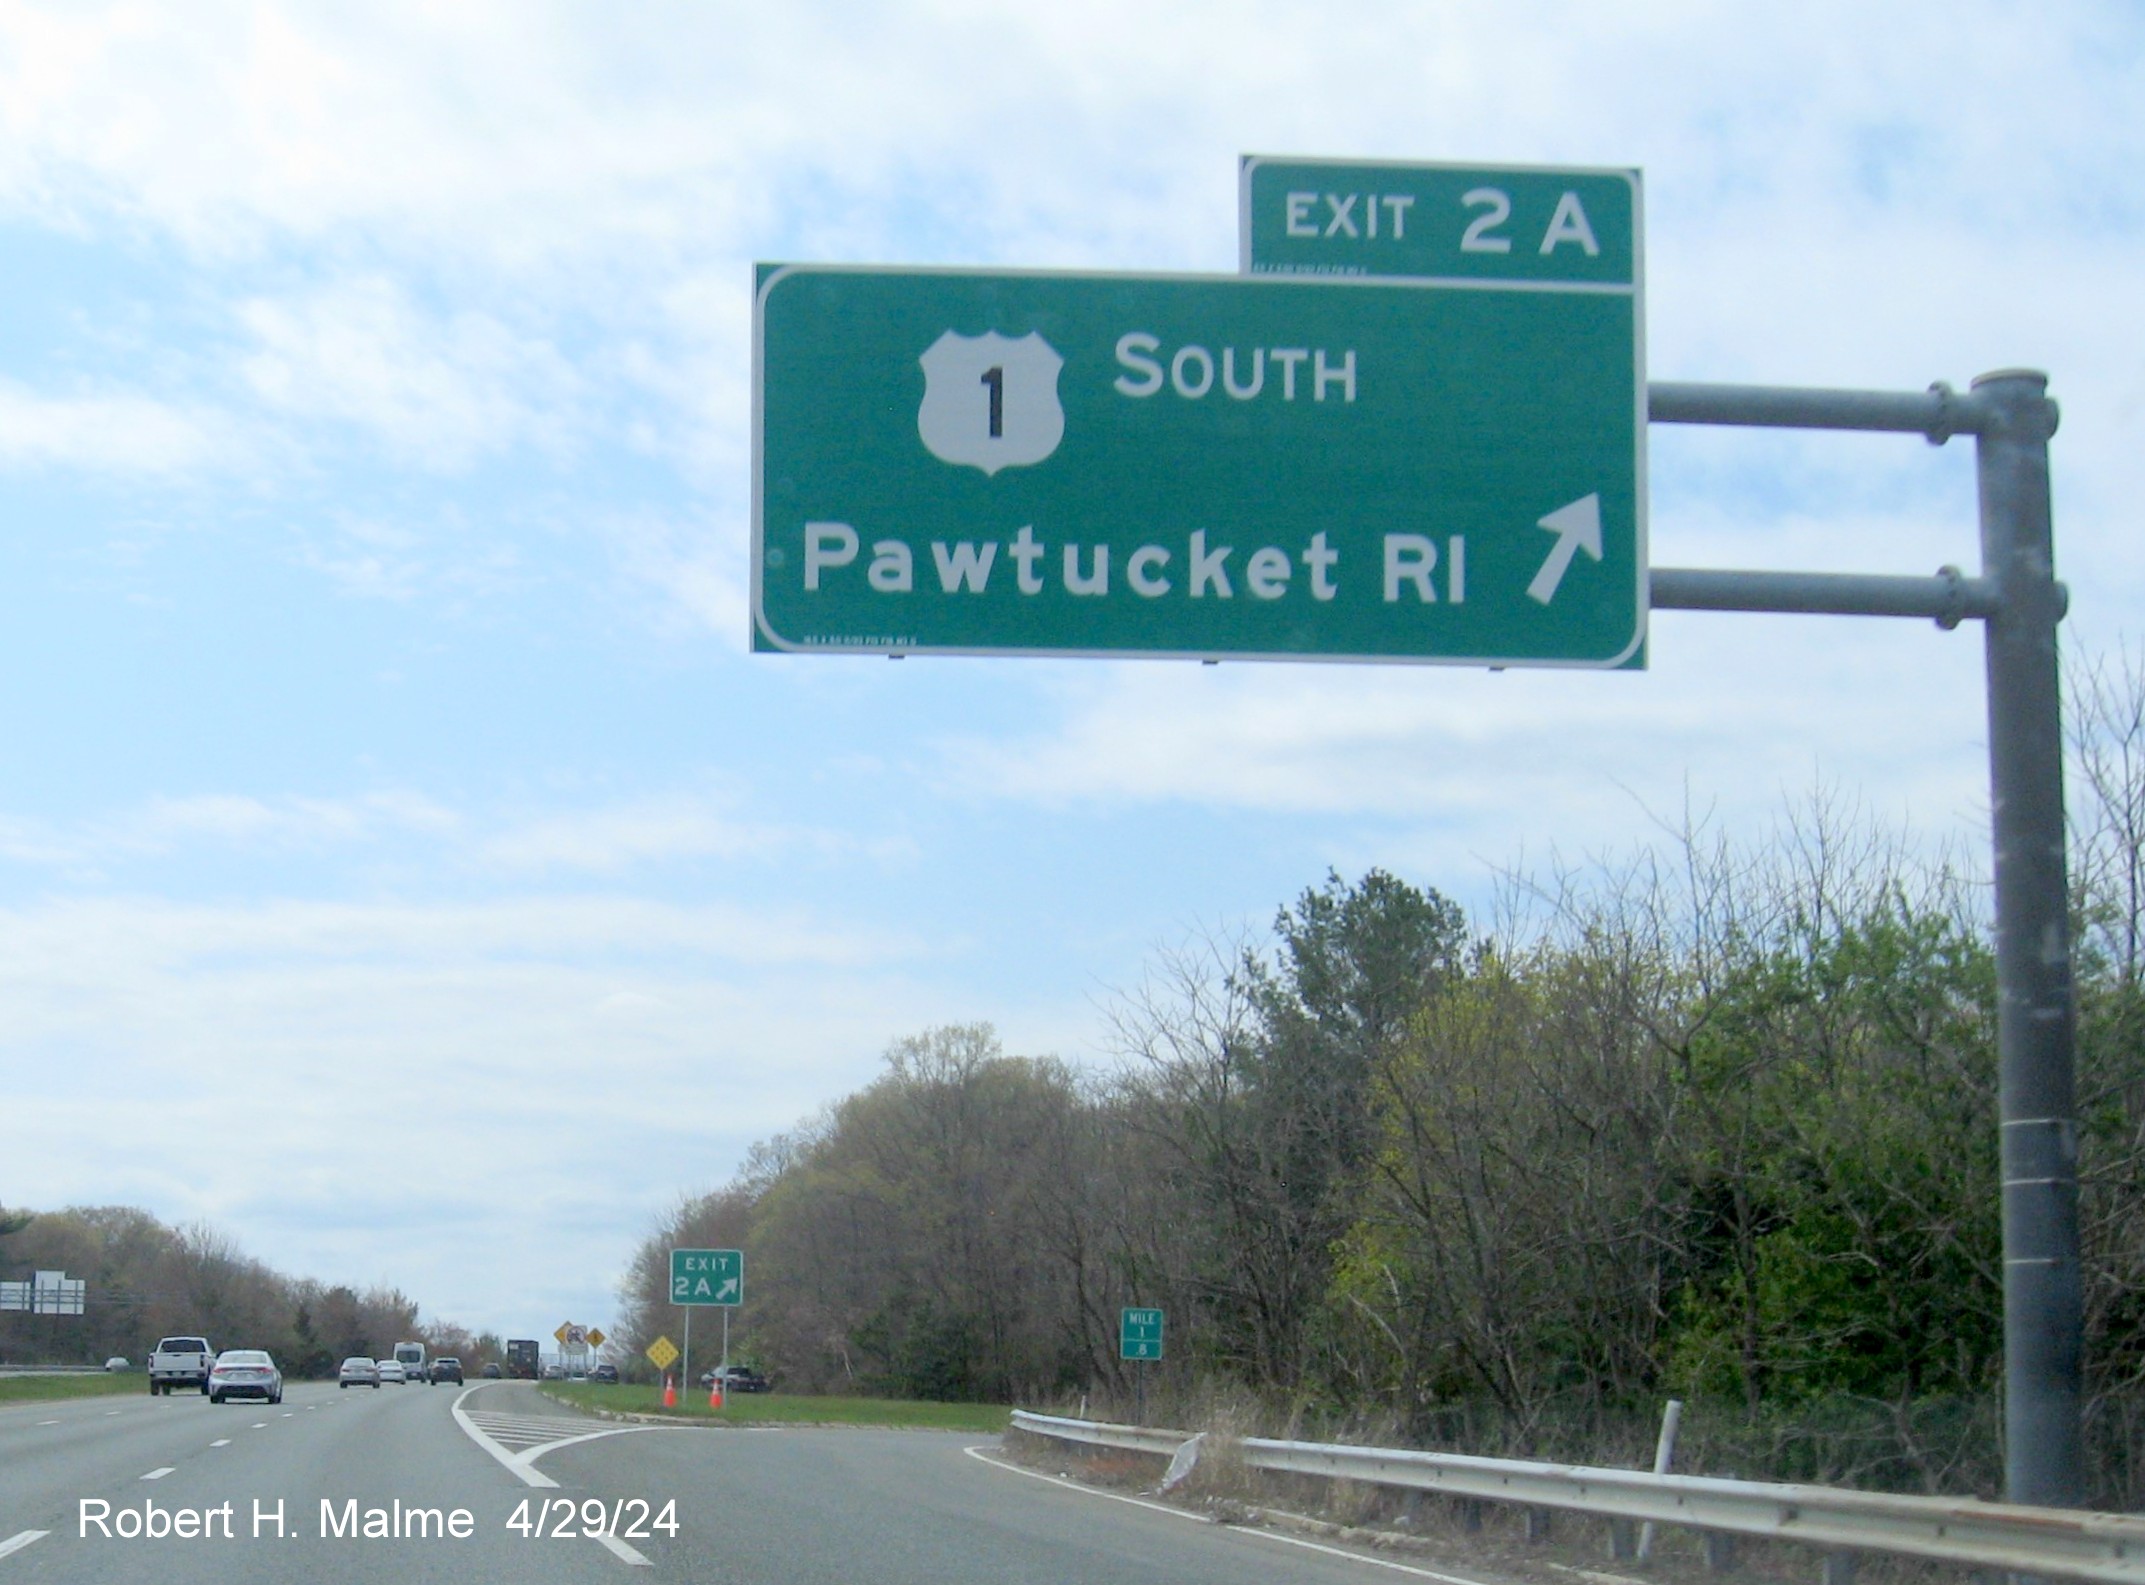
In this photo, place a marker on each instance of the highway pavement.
(494, 1482)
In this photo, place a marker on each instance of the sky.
(405, 865)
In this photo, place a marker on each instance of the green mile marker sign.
(1139, 1334)
(1274, 467)
(707, 1276)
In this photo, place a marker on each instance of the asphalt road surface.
(506, 1485)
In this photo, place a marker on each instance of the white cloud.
(1477, 765)
(603, 839)
(671, 826)
(438, 390)
(701, 570)
(581, 1060)
(290, 822)
(231, 821)
(117, 432)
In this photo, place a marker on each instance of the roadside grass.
(776, 1408)
(44, 1389)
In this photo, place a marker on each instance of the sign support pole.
(2043, 1300)
(2017, 595)
(685, 1359)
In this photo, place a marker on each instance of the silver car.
(391, 1370)
(245, 1373)
(358, 1371)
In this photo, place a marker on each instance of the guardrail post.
(2044, 1462)
(1720, 1550)
(1624, 1541)
(1539, 1521)
(1839, 1568)
(1471, 1515)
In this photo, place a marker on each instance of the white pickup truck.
(180, 1362)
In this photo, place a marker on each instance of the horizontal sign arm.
(1946, 599)
(1938, 413)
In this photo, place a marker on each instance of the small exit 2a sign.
(707, 1276)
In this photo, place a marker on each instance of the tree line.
(1716, 1121)
(147, 1280)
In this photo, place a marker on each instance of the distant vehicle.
(446, 1368)
(522, 1355)
(492, 1372)
(411, 1356)
(180, 1362)
(607, 1373)
(554, 1373)
(391, 1370)
(118, 1362)
(737, 1378)
(245, 1373)
(358, 1371)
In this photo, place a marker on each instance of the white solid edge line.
(159, 1474)
(983, 1457)
(625, 1552)
(21, 1539)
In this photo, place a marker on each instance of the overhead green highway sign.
(1545, 227)
(967, 462)
(1139, 1334)
(707, 1276)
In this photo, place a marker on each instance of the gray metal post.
(2044, 1459)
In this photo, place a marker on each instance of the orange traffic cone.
(670, 1392)
(715, 1394)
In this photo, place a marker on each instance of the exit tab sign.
(1460, 224)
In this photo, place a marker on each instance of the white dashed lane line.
(259, 1425)
(21, 1539)
(45, 1422)
(221, 1441)
(159, 1474)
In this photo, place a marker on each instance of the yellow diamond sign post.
(595, 1337)
(663, 1352)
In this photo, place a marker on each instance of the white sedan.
(392, 1370)
(358, 1371)
(245, 1373)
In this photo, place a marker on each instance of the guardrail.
(2057, 1542)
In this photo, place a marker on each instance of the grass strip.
(777, 1408)
(44, 1389)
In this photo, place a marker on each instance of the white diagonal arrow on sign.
(1577, 527)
